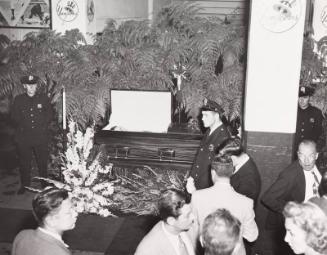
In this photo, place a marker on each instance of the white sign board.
(274, 64)
(140, 111)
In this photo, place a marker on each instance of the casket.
(174, 150)
(140, 132)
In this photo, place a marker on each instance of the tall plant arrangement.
(133, 55)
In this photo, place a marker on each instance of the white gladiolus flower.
(82, 176)
(71, 126)
(79, 139)
(104, 212)
(93, 209)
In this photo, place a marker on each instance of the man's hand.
(190, 187)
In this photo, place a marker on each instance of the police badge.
(211, 147)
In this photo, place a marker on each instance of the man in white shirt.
(168, 236)
(298, 182)
(222, 195)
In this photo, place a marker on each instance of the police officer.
(309, 118)
(216, 134)
(31, 114)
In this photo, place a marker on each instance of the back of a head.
(47, 202)
(171, 203)
(220, 233)
(231, 146)
(223, 166)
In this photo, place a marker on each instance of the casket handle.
(125, 149)
(166, 153)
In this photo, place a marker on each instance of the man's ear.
(49, 220)
(170, 221)
(317, 155)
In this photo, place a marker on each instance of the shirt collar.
(242, 161)
(54, 235)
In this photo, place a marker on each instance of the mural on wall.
(25, 13)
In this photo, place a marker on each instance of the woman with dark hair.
(53, 210)
(246, 178)
(306, 227)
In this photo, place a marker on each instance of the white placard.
(274, 64)
(140, 111)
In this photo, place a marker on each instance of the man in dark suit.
(212, 114)
(168, 236)
(309, 118)
(298, 182)
(246, 178)
(31, 114)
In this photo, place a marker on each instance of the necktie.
(315, 184)
(181, 246)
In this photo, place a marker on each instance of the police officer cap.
(29, 79)
(209, 105)
(305, 91)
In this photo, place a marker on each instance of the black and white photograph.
(163, 127)
(25, 13)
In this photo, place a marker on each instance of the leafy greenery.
(133, 55)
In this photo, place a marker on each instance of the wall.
(120, 10)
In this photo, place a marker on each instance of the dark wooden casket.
(175, 149)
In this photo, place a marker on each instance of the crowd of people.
(215, 214)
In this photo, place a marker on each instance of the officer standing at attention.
(216, 134)
(309, 118)
(31, 114)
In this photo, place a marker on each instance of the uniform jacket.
(246, 180)
(156, 242)
(222, 195)
(289, 186)
(200, 169)
(31, 117)
(308, 124)
(36, 242)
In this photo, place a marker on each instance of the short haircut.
(223, 166)
(47, 202)
(171, 203)
(220, 233)
(308, 142)
(231, 147)
(312, 220)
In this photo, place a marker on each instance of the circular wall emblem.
(67, 10)
(323, 17)
(90, 10)
(281, 15)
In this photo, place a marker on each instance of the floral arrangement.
(91, 179)
(84, 176)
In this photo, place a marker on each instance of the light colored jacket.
(222, 195)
